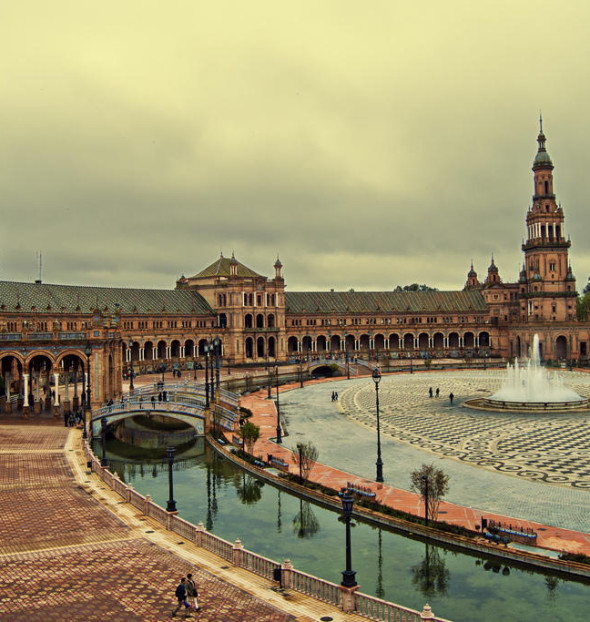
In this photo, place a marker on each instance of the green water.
(400, 569)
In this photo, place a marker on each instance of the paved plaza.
(533, 466)
(71, 549)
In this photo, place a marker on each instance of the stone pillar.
(8, 405)
(348, 604)
(426, 613)
(199, 534)
(286, 576)
(237, 553)
(26, 396)
(56, 385)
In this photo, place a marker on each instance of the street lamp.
(131, 387)
(279, 437)
(171, 505)
(346, 353)
(269, 394)
(212, 373)
(103, 430)
(242, 421)
(88, 352)
(426, 491)
(217, 346)
(206, 350)
(377, 380)
(348, 575)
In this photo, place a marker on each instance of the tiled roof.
(396, 302)
(70, 297)
(221, 267)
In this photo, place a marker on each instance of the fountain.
(533, 388)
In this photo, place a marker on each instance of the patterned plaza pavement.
(70, 549)
(531, 470)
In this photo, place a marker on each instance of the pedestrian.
(66, 418)
(164, 396)
(160, 396)
(451, 396)
(71, 420)
(430, 392)
(192, 593)
(122, 400)
(333, 395)
(336, 395)
(181, 596)
(153, 402)
(141, 402)
(437, 391)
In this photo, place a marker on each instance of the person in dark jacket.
(181, 596)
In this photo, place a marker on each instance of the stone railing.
(347, 599)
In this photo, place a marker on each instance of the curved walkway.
(417, 429)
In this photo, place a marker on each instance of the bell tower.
(549, 287)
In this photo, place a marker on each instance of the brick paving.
(71, 549)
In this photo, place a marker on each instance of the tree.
(415, 287)
(250, 433)
(306, 456)
(437, 486)
(583, 304)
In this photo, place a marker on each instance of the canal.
(405, 570)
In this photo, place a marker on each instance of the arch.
(260, 348)
(561, 351)
(201, 346)
(271, 320)
(161, 349)
(321, 344)
(423, 342)
(454, 340)
(260, 321)
(272, 351)
(249, 350)
(306, 345)
(439, 342)
(39, 367)
(335, 343)
(364, 342)
(248, 323)
(148, 351)
(484, 339)
(292, 343)
(408, 341)
(379, 342)
(349, 343)
(189, 349)
(394, 341)
(469, 340)
(175, 349)
(222, 320)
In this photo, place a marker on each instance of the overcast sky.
(368, 144)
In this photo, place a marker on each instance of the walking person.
(192, 593)
(153, 402)
(181, 596)
(141, 402)
(451, 397)
(437, 391)
(430, 392)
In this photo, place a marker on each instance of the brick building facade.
(54, 333)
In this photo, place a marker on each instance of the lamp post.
(279, 436)
(211, 373)
(425, 482)
(171, 505)
(206, 350)
(346, 353)
(411, 366)
(194, 370)
(217, 347)
(300, 374)
(377, 380)
(131, 387)
(88, 352)
(269, 394)
(242, 421)
(103, 430)
(348, 575)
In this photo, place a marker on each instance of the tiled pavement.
(70, 549)
(418, 429)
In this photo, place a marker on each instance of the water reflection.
(431, 576)
(305, 523)
(402, 569)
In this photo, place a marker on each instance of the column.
(56, 385)
(26, 377)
